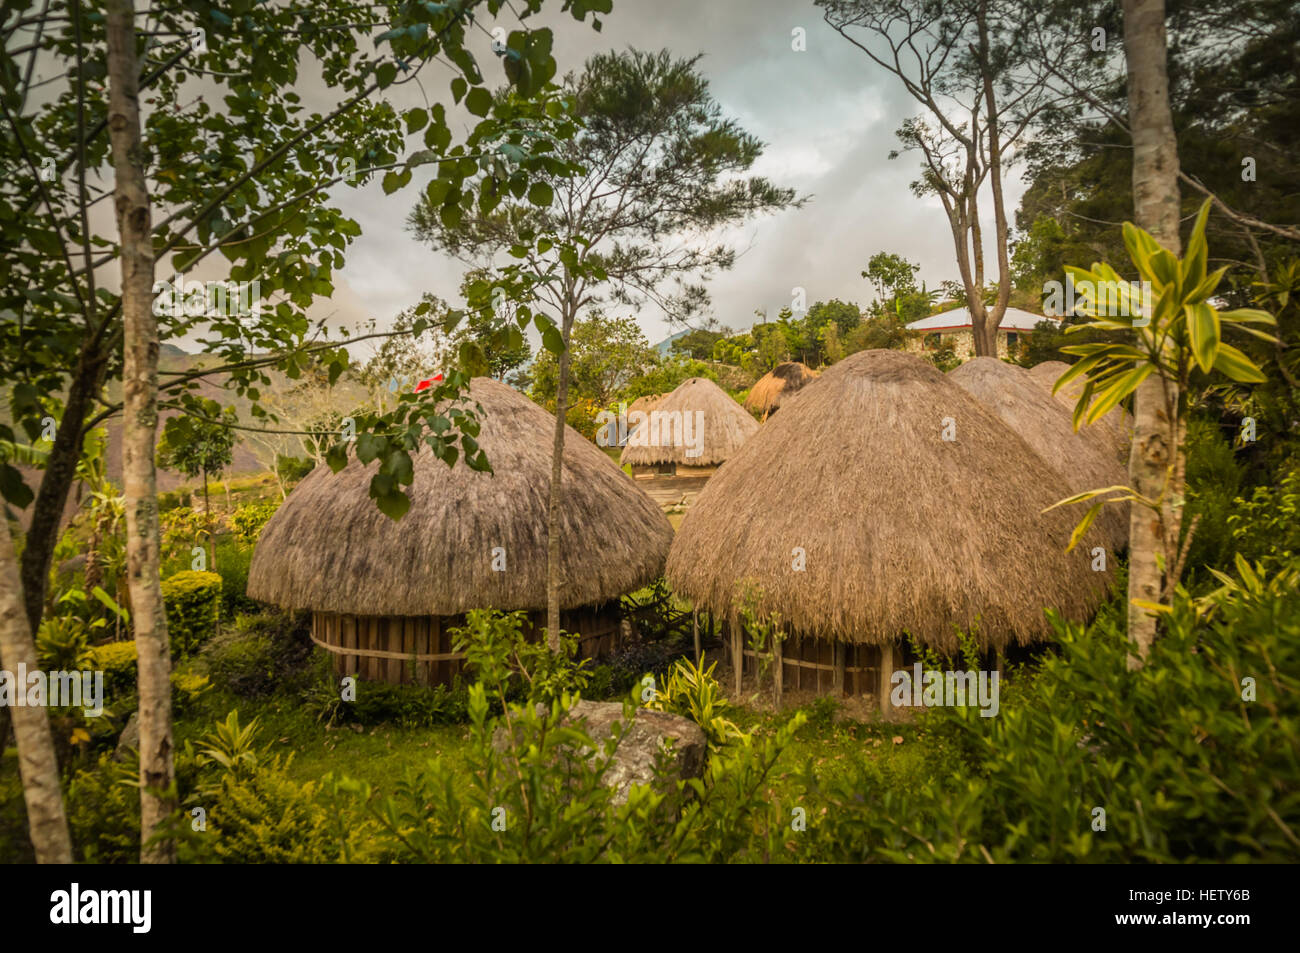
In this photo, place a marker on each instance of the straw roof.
(696, 425)
(1084, 460)
(645, 404)
(1116, 425)
(328, 548)
(901, 531)
(780, 383)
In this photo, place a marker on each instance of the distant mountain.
(665, 346)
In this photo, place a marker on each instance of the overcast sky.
(827, 116)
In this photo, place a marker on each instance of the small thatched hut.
(1084, 460)
(777, 385)
(689, 433)
(853, 518)
(642, 405)
(1116, 425)
(384, 594)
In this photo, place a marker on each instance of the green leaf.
(553, 340)
(393, 505)
(1083, 524)
(1203, 330)
(541, 194)
(385, 75)
(1117, 391)
(479, 101)
(1237, 365)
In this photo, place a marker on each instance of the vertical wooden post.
(778, 676)
(837, 684)
(737, 651)
(695, 631)
(889, 659)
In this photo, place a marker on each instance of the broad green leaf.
(1203, 332)
(1083, 524)
(1238, 366)
(1117, 391)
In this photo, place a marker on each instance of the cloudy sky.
(827, 115)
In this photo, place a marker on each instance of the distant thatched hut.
(777, 385)
(384, 594)
(1085, 460)
(690, 432)
(1116, 425)
(853, 518)
(642, 405)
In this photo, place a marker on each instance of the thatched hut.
(641, 406)
(1117, 424)
(385, 594)
(777, 385)
(689, 433)
(854, 518)
(1084, 459)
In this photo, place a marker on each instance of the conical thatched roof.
(778, 384)
(900, 530)
(697, 425)
(1085, 460)
(1117, 425)
(328, 547)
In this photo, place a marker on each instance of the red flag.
(425, 385)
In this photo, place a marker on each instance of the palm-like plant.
(1172, 333)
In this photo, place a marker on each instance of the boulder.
(650, 734)
(129, 739)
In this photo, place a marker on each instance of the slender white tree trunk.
(140, 411)
(1156, 207)
(554, 574)
(37, 763)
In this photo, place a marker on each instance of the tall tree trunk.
(553, 571)
(1156, 207)
(140, 405)
(37, 763)
(56, 482)
(207, 513)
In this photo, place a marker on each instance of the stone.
(129, 739)
(650, 733)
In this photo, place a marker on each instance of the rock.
(129, 739)
(650, 733)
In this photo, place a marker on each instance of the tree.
(661, 170)
(140, 408)
(606, 355)
(970, 65)
(37, 763)
(199, 447)
(891, 275)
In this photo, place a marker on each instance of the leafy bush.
(103, 807)
(193, 604)
(119, 663)
(1266, 528)
(1191, 757)
(247, 520)
(254, 812)
(691, 691)
(293, 469)
(63, 644)
(407, 706)
(261, 655)
(233, 560)
(174, 499)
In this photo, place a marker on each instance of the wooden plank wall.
(392, 648)
(809, 664)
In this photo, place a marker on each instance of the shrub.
(247, 520)
(193, 604)
(293, 469)
(1188, 761)
(233, 560)
(261, 655)
(118, 662)
(174, 499)
(407, 706)
(103, 807)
